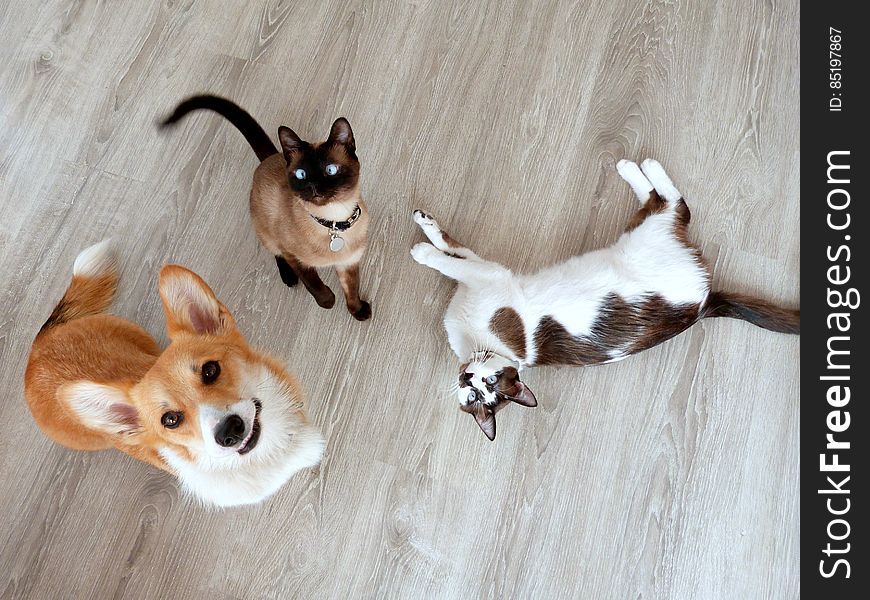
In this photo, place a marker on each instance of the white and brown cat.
(305, 202)
(598, 307)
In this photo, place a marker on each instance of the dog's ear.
(190, 305)
(341, 133)
(485, 417)
(290, 142)
(102, 407)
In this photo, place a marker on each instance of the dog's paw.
(422, 251)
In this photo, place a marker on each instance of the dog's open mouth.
(254, 436)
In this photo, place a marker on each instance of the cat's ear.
(485, 418)
(524, 395)
(290, 142)
(511, 388)
(341, 133)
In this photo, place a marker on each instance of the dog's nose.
(230, 431)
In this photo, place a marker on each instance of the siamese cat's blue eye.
(299, 173)
(331, 169)
(472, 395)
(491, 379)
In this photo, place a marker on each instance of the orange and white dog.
(229, 422)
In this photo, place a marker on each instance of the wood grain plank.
(670, 475)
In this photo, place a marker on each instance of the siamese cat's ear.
(341, 133)
(485, 418)
(524, 395)
(290, 142)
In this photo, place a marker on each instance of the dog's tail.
(244, 122)
(756, 311)
(95, 278)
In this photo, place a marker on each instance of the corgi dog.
(229, 422)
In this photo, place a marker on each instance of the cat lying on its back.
(598, 307)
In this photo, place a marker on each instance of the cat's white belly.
(647, 261)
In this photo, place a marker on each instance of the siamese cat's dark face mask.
(488, 385)
(325, 172)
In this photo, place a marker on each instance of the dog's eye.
(172, 419)
(331, 169)
(300, 174)
(492, 379)
(472, 395)
(210, 371)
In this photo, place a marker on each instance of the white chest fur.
(248, 481)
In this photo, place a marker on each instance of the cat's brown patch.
(450, 241)
(555, 346)
(621, 328)
(654, 204)
(508, 326)
(661, 320)
(681, 231)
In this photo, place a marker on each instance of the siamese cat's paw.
(422, 252)
(288, 275)
(364, 313)
(325, 298)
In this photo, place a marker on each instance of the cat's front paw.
(325, 298)
(363, 313)
(423, 219)
(422, 252)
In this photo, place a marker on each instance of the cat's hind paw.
(660, 180)
(632, 175)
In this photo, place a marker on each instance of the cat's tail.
(756, 311)
(244, 122)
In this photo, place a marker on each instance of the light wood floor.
(673, 474)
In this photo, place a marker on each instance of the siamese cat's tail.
(756, 311)
(257, 138)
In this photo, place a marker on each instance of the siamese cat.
(305, 202)
(599, 307)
